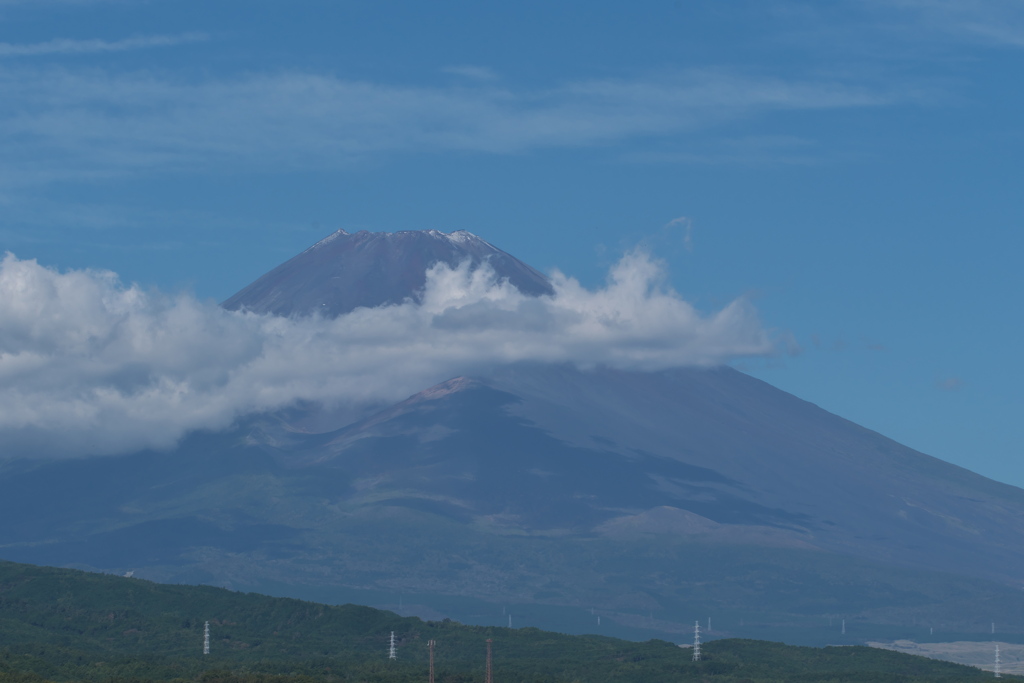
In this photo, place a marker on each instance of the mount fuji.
(562, 494)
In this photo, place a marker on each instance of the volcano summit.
(343, 272)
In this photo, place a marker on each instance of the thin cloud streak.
(79, 47)
(88, 366)
(91, 123)
(950, 384)
(477, 73)
(992, 22)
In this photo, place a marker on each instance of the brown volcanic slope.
(682, 452)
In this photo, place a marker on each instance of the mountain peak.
(330, 238)
(452, 386)
(456, 236)
(345, 271)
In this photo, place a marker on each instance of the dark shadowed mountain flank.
(343, 272)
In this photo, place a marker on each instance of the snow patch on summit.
(456, 236)
(327, 240)
(463, 237)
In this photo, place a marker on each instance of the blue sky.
(853, 169)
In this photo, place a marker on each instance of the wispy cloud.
(90, 366)
(59, 121)
(477, 73)
(685, 225)
(746, 151)
(79, 47)
(950, 384)
(996, 22)
(35, 4)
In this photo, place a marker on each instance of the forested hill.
(66, 625)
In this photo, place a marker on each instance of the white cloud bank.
(89, 366)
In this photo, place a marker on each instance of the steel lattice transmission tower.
(998, 672)
(696, 641)
(488, 678)
(206, 638)
(431, 644)
(392, 652)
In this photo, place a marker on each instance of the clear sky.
(853, 169)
